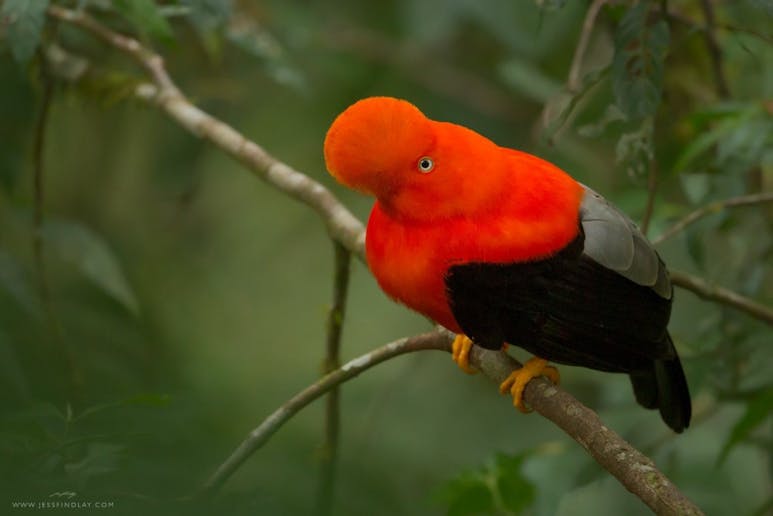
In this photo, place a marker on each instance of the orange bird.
(500, 246)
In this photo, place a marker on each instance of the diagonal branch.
(706, 290)
(260, 435)
(573, 80)
(712, 208)
(341, 224)
(634, 470)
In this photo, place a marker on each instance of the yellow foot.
(460, 352)
(516, 382)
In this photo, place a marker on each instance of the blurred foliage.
(178, 301)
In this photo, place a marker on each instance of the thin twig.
(714, 50)
(335, 321)
(652, 189)
(706, 290)
(260, 435)
(38, 182)
(38, 185)
(573, 79)
(423, 67)
(712, 208)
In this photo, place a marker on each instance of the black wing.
(602, 302)
(567, 308)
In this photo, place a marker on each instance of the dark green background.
(232, 280)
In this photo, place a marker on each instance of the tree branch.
(714, 50)
(652, 190)
(635, 471)
(691, 24)
(573, 79)
(712, 208)
(332, 362)
(710, 292)
(260, 435)
(341, 224)
(54, 326)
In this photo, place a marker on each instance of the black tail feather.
(665, 387)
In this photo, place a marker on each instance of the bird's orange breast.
(410, 259)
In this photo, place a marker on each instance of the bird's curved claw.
(516, 382)
(460, 353)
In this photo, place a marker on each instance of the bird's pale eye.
(425, 165)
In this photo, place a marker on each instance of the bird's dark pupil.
(425, 163)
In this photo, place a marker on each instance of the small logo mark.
(63, 494)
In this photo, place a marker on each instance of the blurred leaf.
(12, 377)
(467, 494)
(14, 281)
(494, 488)
(695, 248)
(254, 39)
(26, 18)
(550, 5)
(146, 17)
(758, 410)
(146, 399)
(108, 87)
(516, 491)
(611, 114)
(729, 122)
(588, 82)
(634, 149)
(208, 15)
(637, 66)
(695, 186)
(528, 79)
(92, 256)
(100, 459)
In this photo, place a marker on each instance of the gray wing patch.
(614, 241)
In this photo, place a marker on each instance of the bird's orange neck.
(534, 214)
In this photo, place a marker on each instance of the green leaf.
(637, 66)
(516, 491)
(589, 81)
(88, 252)
(695, 186)
(144, 399)
(146, 17)
(757, 411)
(467, 494)
(729, 122)
(258, 42)
(14, 281)
(492, 489)
(550, 5)
(528, 79)
(634, 149)
(100, 459)
(12, 377)
(26, 19)
(207, 15)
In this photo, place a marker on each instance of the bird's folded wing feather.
(614, 241)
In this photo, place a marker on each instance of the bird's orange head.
(416, 167)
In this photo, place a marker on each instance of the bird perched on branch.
(500, 246)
